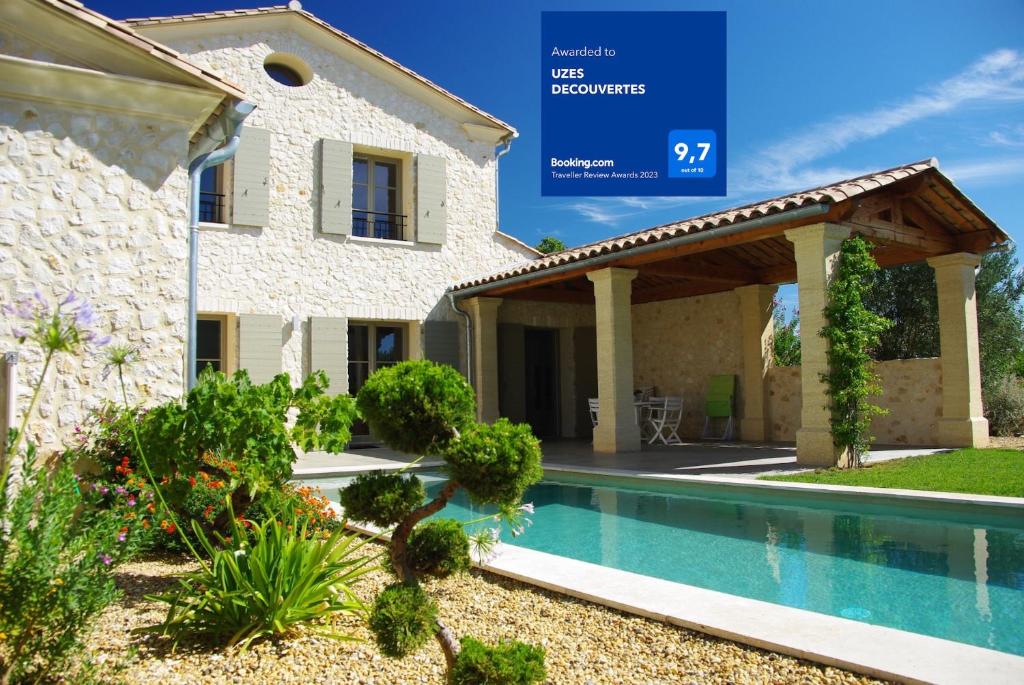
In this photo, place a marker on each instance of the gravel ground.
(586, 643)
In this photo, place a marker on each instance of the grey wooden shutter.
(328, 350)
(335, 187)
(441, 342)
(259, 345)
(250, 192)
(431, 190)
(511, 371)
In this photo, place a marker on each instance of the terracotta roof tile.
(284, 9)
(827, 194)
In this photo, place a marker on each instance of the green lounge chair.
(719, 405)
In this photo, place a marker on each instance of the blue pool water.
(892, 566)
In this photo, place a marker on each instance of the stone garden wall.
(912, 394)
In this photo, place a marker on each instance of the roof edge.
(173, 20)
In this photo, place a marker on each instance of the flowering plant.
(58, 545)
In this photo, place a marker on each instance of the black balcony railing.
(378, 225)
(211, 207)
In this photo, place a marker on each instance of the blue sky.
(817, 91)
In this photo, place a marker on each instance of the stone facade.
(95, 202)
(912, 394)
(290, 268)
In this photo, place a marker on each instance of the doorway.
(540, 352)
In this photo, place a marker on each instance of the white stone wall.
(95, 202)
(290, 268)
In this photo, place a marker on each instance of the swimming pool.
(960, 578)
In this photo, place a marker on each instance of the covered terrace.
(675, 304)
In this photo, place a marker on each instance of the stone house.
(356, 226)
(360, 191)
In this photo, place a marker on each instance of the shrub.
(439, 548)
(247, 423)
(57, 555)
(307, 504)
(402, 619)
(508, 663)
(382, 498)
(266, 579)
(1004, 406)
(495, 463)
(417, 406)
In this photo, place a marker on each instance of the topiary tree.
(428, 409)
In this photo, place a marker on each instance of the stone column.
(616, 420)
(756, 309)
(484, 313)
(963, 423)
(816, 248)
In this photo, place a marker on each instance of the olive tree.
(429, 410)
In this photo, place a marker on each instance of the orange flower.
(192, 481)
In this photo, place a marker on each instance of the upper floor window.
(376, 198)
(287, 69)
(213, 194)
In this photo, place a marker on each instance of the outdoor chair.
(665, 415)
(642, 404)
(719, 405)
(594, 406)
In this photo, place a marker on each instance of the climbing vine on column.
(852, 331)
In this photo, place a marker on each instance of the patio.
(742, 460)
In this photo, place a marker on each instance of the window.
(376, 198)
(210, 344)
(213, 195)
(371, 347)
(287, 69)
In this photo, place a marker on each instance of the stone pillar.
(616, 420)
(484, 313)
(816, 248)
(756, 309)
(963, 423)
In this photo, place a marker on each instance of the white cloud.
(788, 164)
(1008, 136)
(985, 169)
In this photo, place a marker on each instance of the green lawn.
(982, 472)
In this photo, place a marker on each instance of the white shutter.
(250, 192)
(328, 350)
(431, 190)
(335, 187)
(259, 345)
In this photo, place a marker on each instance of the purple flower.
(122, 537)
(106, 559)
(131, 501)
(69, 298)
(104, 489)
(120, 490)
(84, 315)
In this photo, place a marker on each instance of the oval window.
(287, 70)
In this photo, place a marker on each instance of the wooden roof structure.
(910, 213)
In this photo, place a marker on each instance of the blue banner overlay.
(633, 103)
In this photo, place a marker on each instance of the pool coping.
(873, 650)
(893, 493)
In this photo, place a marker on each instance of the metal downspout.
(230, 123)
(788, 215)
(497, 188)
(469, 337)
